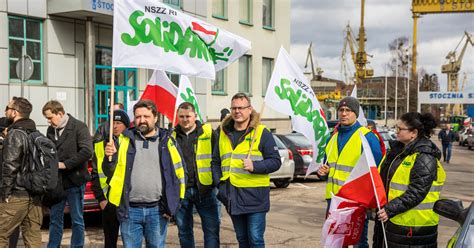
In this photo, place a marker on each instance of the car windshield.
(299, 140)
(279, 143)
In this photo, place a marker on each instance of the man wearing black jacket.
(74, 145)
(447, 138)
(196, 141)
(17, 206)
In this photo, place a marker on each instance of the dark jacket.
(74, 150)
(445, 137)
(247, 200)
(188, 145)
(14, 151)
(169, 202)
(422, 175)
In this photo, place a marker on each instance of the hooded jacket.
(14, 151)
(422, 175)
(247, 200)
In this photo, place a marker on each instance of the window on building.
(268, 13)
(219, 9)
(267, 66)
(125, 84)
(245, 73)
(173, 3)
(28, 33)
(174, 78)
(218, 85)
(246, 11)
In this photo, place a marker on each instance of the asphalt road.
(297, 212)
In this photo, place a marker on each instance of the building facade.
(70, 44)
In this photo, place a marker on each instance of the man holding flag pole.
(344, 150)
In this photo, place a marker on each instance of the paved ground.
(297, 212)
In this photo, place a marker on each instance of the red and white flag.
(364, 185)
(162, 92)
(344, 224)
(467, 121)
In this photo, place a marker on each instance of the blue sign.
(102, 5)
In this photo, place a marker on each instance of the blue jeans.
(75, 200)
(207, 207)
(364, 240)
(250, 229)
(447, 151)
(144, 222)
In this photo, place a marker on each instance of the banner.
(186, 94)
(289, 92)
(150, 34)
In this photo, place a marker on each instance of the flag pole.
(376, 197)
(255, 131)
(111, 116)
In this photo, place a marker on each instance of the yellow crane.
(422, 7)
(360, 57)
(453, 66)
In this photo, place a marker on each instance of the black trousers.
(110, 225)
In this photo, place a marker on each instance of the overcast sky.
(323, 23)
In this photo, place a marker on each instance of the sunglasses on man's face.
(8, 108)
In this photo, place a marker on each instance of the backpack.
(40, 165)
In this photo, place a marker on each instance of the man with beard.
(17, 206)
(148, 179)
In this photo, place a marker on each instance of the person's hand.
(248, 165)
(323, 170)
(382, 215)
(110, 149)
(167, 216)
(61, 166)
(103, 204)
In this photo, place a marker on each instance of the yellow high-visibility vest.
(118, 179)
(203, 151)
(100, 154)
(422, 214)
(232, 160)
(341, 165)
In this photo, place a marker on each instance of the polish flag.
(364, 184)
(163, 92)
(467, 121)
(344, 224)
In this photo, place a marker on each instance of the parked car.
(454, 210)
(463, 136)
(301, 149)
(470, 141)
(282, 177)
(387, 137)
(90, 203)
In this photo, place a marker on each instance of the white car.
(282, 177)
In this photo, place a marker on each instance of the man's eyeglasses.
(8, 108)
(398, 129)
(239, 108)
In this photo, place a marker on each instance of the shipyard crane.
(315, 73)
(359, 57)
(453, 66)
